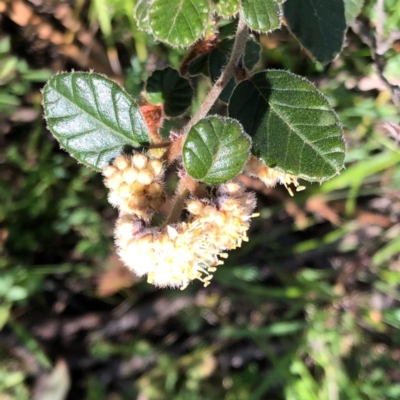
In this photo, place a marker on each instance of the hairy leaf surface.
(262, 15)
(319, 25)
(179, 22)
(215, 150)
(167, 87)
(92, 117)
(226, 8)
(293, 127)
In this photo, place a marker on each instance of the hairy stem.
(160, 145)
(227, 74)
(181, 194)
(212, 96)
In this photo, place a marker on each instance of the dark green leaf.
(228, 28)
(179, 22)
(251, 55)
(92, 117)
(215, 150)
(169, 88)
(318, 25)
(219, 58)
(199, 66)
(293, 127)
(262, 15)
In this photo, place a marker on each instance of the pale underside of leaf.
(92, 117)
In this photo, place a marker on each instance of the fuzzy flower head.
(227, 219)
(179, 253)
(135, 184)
(173, 256)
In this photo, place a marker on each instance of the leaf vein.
(293, 131)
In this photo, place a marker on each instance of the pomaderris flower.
(136, 184)
(178, 253)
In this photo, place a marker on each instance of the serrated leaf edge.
(64, 148)
(308, 51)
(149, 31)
(174, 46)
(280, 4)
(338, 123)
(244, 133)
(190, 84)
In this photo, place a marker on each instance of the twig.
(377, 46)
(379, 25)
(212, 96)
(387, 44)
(177, 205)
(226, 75)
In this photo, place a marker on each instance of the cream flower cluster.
(176, 254)
(135, 184)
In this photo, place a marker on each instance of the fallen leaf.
(54, 385)
(115, 277)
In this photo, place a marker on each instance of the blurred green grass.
(308, 309)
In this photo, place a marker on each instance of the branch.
(379, 25)
(177, 204)
(226, 75)
(175, 150)
(377, 46)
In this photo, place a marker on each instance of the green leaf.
(92, 117)
(215, 150)
(262, 15)
(179, 22)
(352, 9)
(294, 129)
(5, 309)
(226, 8)
(389, 250)
(319, 26)
(228, 28)
(219, 58)
(199, 65)
(141, 14)
(169, 88)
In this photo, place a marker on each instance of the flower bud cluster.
(135, 184)
(224, 222)
(177, 254)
